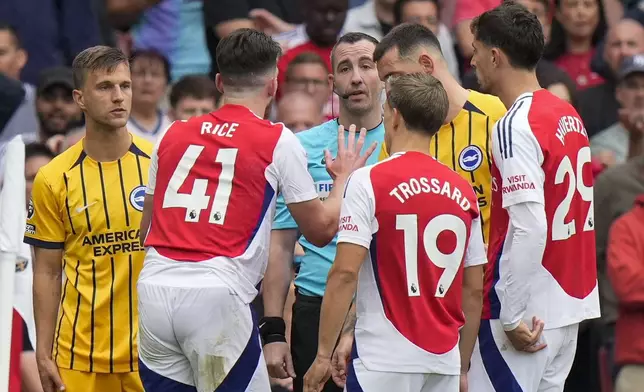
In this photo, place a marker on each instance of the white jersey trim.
(518, 156)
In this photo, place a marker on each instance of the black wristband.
(274, 338)
(272, 329)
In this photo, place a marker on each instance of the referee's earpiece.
(343, 96)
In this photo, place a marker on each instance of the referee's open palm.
(349, 158)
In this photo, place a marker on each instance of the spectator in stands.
(615, 10)
(176, 30)
(626, 271)
(623, 139)
(192, 95)
(13, 58)
(465, 11)
(427, 13)
(309, 73)
(221, 17)
(548, 74)
(57, 112)
(52, 31)
(577, 28)
(616, 189)
(597, 105)
(299, 111)
(323, 21)
(150, 78)
(377, 17)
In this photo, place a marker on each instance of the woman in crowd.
(577, 27)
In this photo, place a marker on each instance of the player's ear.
(426, 62)
(272, 87)
(219, 83)
(396, 120)
(22, 58)
(496, 57)
(331, 81)
(79, 99)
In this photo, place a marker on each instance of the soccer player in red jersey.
(541, 281)
(209, 205)
(410, 239)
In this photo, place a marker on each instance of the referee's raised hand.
(349, 158)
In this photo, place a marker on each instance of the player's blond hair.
(96, 58)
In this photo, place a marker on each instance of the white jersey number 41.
(197, 200)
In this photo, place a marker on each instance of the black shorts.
(304, 339)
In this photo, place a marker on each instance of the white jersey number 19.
(197, 200)
(450, 262)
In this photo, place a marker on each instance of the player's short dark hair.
(244, 56)
(154, 55)
(421, 100)
(352, 38)
(193, 86)
(94, 59)
(304, 58)
(12, 32)
(407, 37)
(38, 150)
(514, 30)
(400, 4)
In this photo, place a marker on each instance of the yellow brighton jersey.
(92, 210)
(464, 145)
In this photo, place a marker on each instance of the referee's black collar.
(337, 121)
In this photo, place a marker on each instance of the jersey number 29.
(197, 200)
(562, 230)
(450, 262)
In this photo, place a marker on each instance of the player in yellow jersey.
(83, 222)
(463, 142)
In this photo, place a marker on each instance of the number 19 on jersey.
(449, 262)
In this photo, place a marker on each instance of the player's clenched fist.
(525, 339)
(49, 376)
(278, 360)
(349, 158)
(317, 375)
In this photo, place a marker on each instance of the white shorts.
(359, 379)
(498, 367)
(198, 339)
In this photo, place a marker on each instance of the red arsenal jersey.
(214, 179)
(541, 155)
(420, 221)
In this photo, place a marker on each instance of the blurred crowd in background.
(594, 59)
